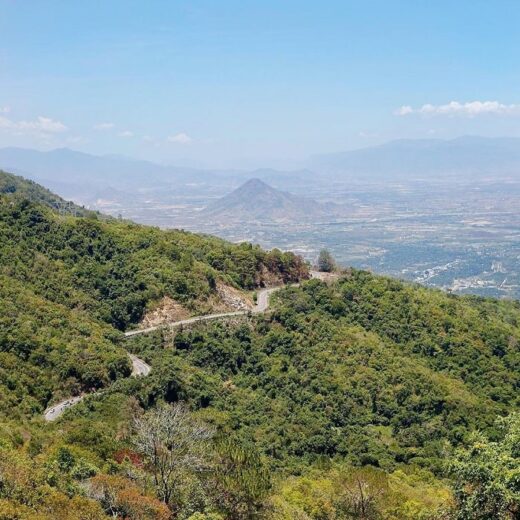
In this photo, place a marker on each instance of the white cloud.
(44, 124)
(126, 133)
(404, 110)
(181, 138)
(40, 125)
(104, 126)
(455, 108)
(5, 123)
(5, 109)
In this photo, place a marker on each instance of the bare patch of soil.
(167, 310)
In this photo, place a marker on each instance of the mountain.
(71, 172)
(416, 158)
(63, 271)
(358, 390)
(257, 201)
(65, 166)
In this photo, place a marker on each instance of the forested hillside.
(365, 372)
(24, 188)
(362, 398)
(68, 283)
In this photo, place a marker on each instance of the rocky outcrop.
(232, 298)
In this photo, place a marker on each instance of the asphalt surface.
(262, 304)
(262, 299)
(141, 368)
(55, 411)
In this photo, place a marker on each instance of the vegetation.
(365, 398)
(366, 373)
(26, 189)
(67, 283)
(171, 443)
(487, 475)
(326, 263)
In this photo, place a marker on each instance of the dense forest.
(360, 398)
(69, 284)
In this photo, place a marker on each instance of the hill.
(65, 166)
(416, 158)
(69, 283)
(26, 189)
(365, 379)
(361, 390)
(257, 201)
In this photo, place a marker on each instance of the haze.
(259, 260)
(254, 84)
(386, 132)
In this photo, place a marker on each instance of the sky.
(249, 84)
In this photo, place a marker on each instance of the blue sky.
(247, 84)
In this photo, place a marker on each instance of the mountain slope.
(366, 378)
(415, 158)
(363, 383)
(68, 282)
(353, 361)
(26, 189)
(257, 201)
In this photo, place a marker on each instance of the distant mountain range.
(257, 201)
(68, 166)
(71, 173)
(62, 168)
(420, 158)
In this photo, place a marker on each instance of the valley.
(458, 236)
(259, 260)
(349, 379)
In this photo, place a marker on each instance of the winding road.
(141, 368)
(55, 411)
(262, 304)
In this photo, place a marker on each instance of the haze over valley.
(259, 260)
(451, 221)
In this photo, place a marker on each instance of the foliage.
(487, 475)
(38, 491)
(311, 382)
(122, 498)
(21, 188)
(240, 481)
(342, 492)
(343, 402)
(66, 284)
(326, 263)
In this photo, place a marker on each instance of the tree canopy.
(361, 398)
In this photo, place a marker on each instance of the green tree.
(240, 481)
(487, 476)
(326, 262)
